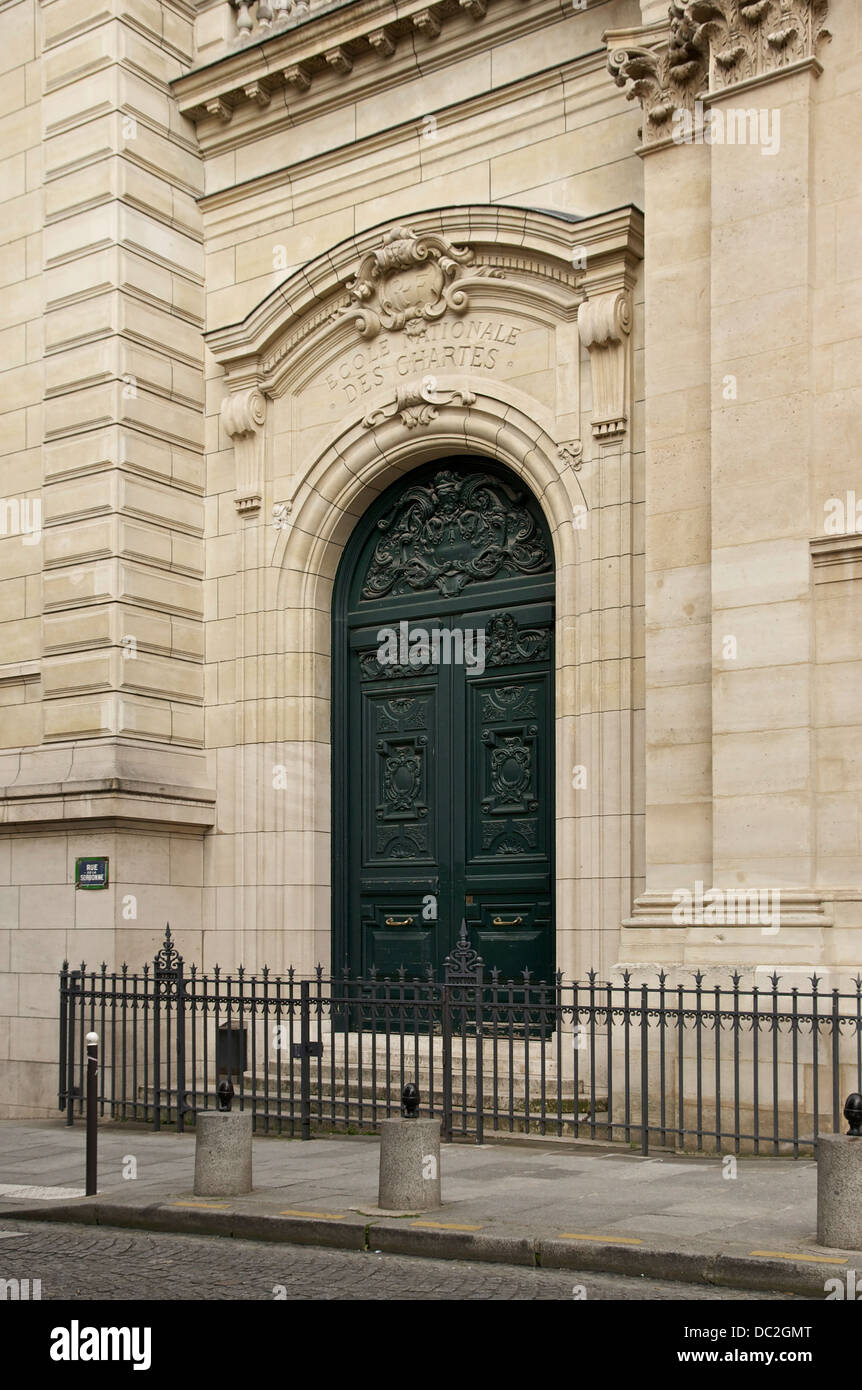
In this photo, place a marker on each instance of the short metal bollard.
(839, 1182)
(92, 1161)
(409, 1159)
(223, 1162)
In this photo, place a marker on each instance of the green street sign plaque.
(91, 873)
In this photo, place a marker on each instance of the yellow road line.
(212, 1206)
(441, 1226)
(323, 1215)
(612, 1240)
(811, 1259)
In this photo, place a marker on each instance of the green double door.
(443, 732)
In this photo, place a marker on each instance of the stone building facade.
(266, 267)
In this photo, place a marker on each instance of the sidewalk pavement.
(555, 1203)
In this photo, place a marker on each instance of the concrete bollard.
(409, 1165)
(223, 1153)
(839, 1191)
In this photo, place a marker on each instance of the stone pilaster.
(123, 550)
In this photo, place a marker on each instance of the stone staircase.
(353, 1079)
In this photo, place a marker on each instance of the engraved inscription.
(474, 344)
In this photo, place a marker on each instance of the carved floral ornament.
(417, 403)
(452, 531)
(409, 281)
(711, 45)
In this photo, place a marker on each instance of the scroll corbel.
(243, 415)
(605, 325)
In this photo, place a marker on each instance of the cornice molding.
(708, 47)
(543, 86)
(351, 51)
(836, 558)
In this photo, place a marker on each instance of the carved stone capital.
(663, 66)
(752, 38)
(605, 324)
(710, 45)
(243, 414)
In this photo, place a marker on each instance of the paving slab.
(670, 1216)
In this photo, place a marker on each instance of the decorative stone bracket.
(605, 324)
(243, 414)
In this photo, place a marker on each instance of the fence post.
(64, 1036)
(644, 1069)
(446, 1027)
(305, 1058)
(69, 1047)
(181, 1047)
(480, 1073)
(92, 1118)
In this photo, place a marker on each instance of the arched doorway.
(443, 720)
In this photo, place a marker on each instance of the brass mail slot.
(399, 921)
(501, 922)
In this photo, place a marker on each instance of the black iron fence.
(674, 1065)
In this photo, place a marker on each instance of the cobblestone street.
(84, 1263)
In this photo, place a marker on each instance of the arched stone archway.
(311, 459)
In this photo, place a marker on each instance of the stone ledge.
(20, 673)
(114, 806)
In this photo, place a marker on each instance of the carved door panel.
(399, 799)
(506, 792)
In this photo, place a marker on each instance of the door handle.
(500, 922)
(399, 921)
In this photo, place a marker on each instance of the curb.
(719, 1268)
